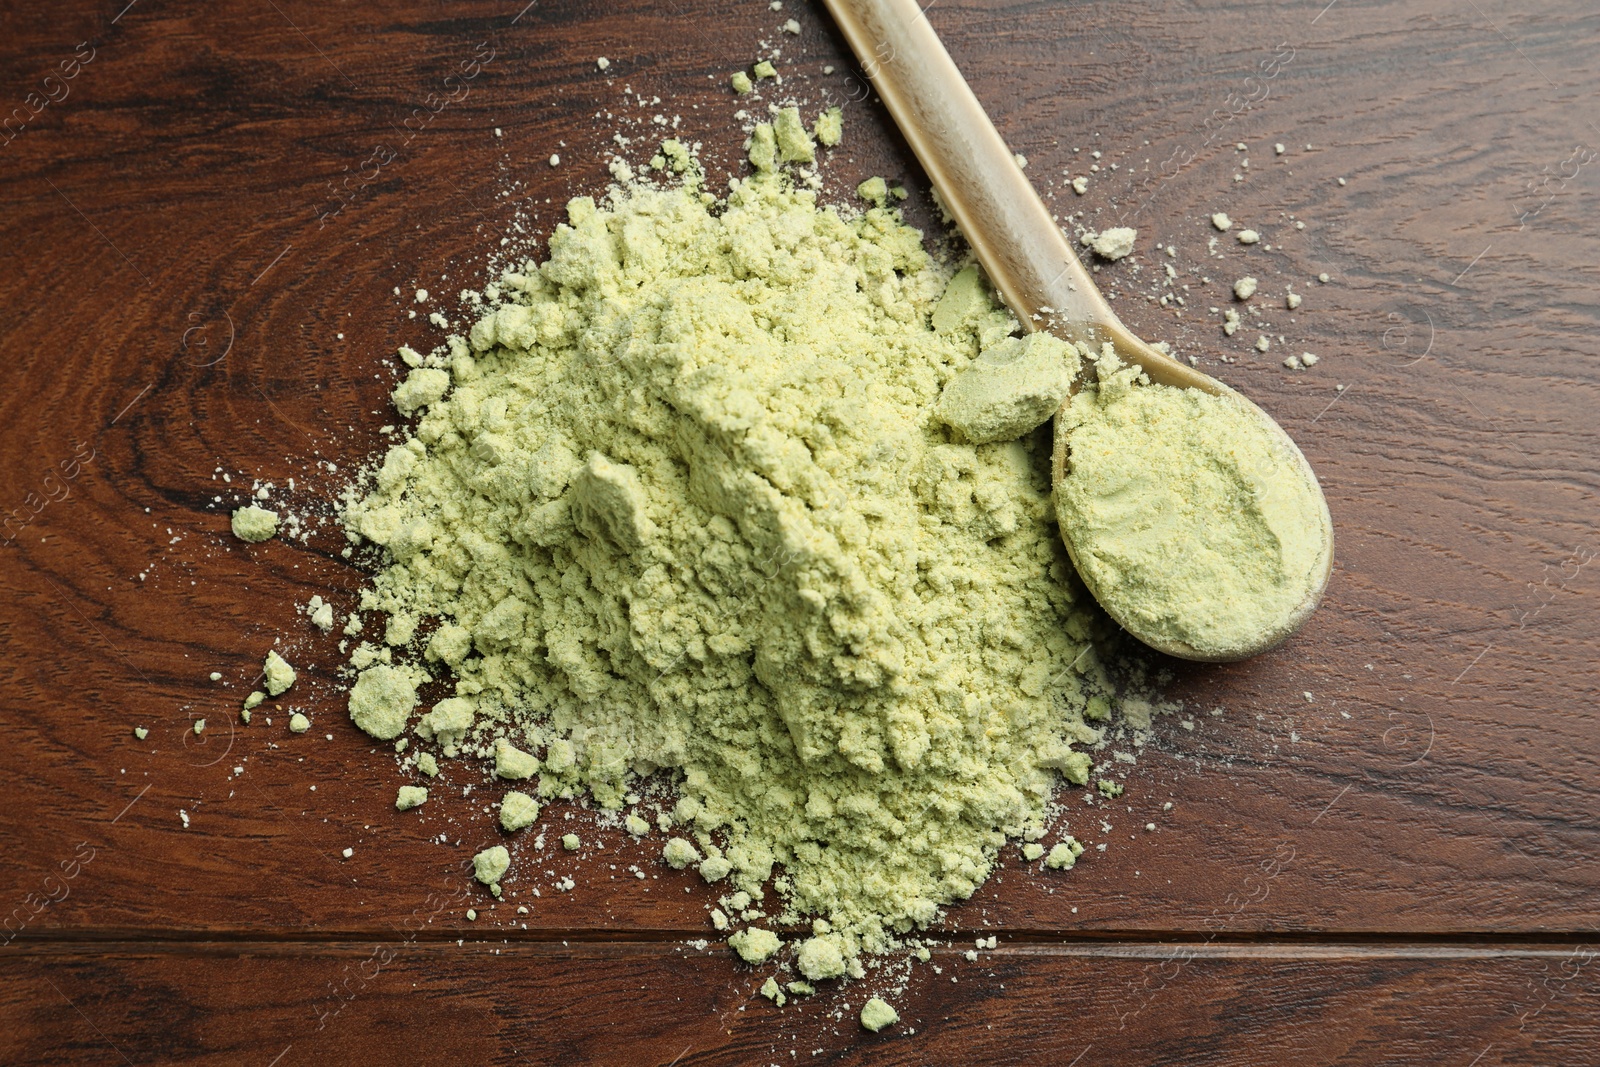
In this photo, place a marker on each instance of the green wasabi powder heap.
(1191, 516)
(680, 502)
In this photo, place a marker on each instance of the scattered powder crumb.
(490, 865)
(1292, 301)
(1249, 237)
(382, 700)
(754, 944)
(765, 69)
(347, 853)
(215, 676)
(1221, 221)
(1245, 288)
(790, 26)
(410, 796)
(555, 159)
(1262, 343)
(794, 143)
(603, 63)
(279, 675)
(1080, 185)
(199, 726)
(140, 732)
(321, 613)
(877, 1014)
(680, 853)
(1279, 149)
(1113, 243)
(1308, 359)
(298, 723)
(1062, 856)
(570, 842)
(829, 127)
(517, 811)
(1032, 851)
(1230, 321)
(1292, 362)
(254, 524)
(820, 957)
(740, 81)
(512, 763)
(874, 190)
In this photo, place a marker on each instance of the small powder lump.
(279, 674)
(1191, 516)
(877, 1014)
(681, 502)
(1113, 244)
(254, 524)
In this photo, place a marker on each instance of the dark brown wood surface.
(204, 225)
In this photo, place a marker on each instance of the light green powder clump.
(410, 796)
(254, 524)
(490, 865)
(876, 1014)
(517, 811)
(1189, 515)
(794, 143)
(686, 507)
(1011, 388)
(754, 945)
(679, 853)
(382, 699)
(829, 127)
(279, 674)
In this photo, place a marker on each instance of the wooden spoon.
(1023, 251)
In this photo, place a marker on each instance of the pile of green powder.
(682, 502)
(1192, 518)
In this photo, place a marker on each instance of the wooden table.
(1382, 851)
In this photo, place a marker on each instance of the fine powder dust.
(1192, 517)
(680, 502)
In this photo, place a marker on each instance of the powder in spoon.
(1190, 516)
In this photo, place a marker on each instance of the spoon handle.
(1009, 228)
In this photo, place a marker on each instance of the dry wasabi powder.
(278, 673)
(679, 502)
(490, 865)
(877, 1014)
(1190, 518)
(755, 945)
(518, 811)
(254, 524)
(1114, 243)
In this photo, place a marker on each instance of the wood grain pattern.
(203, 235)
